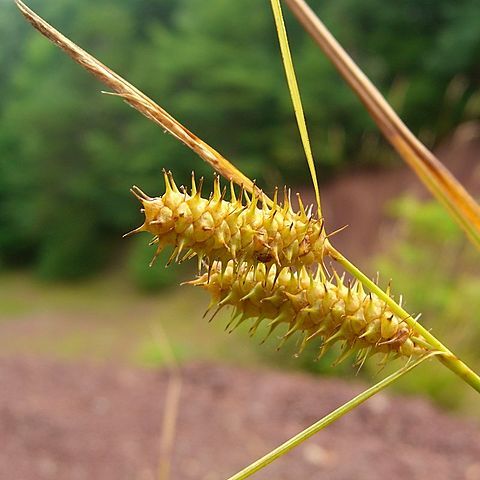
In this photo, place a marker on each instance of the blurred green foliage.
(435, 269)
(151, 279)
(68, 154)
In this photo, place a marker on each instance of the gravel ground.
(84, 421)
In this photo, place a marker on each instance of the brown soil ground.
(78, 421)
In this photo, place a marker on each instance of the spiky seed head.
(217, 229)
(306, 302)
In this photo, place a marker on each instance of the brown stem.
(140, 101)
(436, 177)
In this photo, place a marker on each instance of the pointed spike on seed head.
(296, 299)
(241, 196)
(285, 199)
(272, 327)
(338, 335)
(211, 304)
(388, 290)
(199, 187)
(319, 332)
(168, 186)
(140, 195)
(337, 278)
(275, 198)
(281, 343)
(253, 203)
(180, 247)
(360, 290)
(384, 360)
(372, 327)
(196, 282)
(321, 352)
(171, 258)
(319, 275)
(248, 199)
(233, 198)
(304, 277)
(227, 326)
(216, 188)
(235, 314)
(294, 328)
(300, 205)
(215, 313)
(155, 256)
(139, 229)
(265, 208)
(288, 254)
(367, 352)
(274, 253)
(200, 261)
(188, 256)
(194, 186)
(302, 346)
(154, 240)
(209, 269)
(172, 182)
(309, 211)
(253, 329)
(345, 352)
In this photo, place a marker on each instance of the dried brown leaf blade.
(437, 178)
(140, 101)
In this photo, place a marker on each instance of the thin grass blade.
(325, 421)
(295, 95)
(436, 177)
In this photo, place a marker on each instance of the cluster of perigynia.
(239, 229)
(313, 305)
(267, 263)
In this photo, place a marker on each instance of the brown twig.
(172, 403)
(140, 101)
(443, 185)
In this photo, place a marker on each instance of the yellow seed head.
(312, 305)
(243, 231)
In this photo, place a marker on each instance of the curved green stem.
(325, 421)
(447, 357)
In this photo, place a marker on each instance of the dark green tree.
(69, 154)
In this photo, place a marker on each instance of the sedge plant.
(266, 260)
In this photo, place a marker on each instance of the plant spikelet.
(243, 230)
(309, 303)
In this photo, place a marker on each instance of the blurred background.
(73, 291)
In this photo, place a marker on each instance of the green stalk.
(325, 421)
(447, 357)
(295, 95)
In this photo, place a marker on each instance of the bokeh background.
(73, 291)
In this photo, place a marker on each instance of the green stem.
(325, 421)
(447, 357)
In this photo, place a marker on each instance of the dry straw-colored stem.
(139, 101)
(172, 403)
(442, 184)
